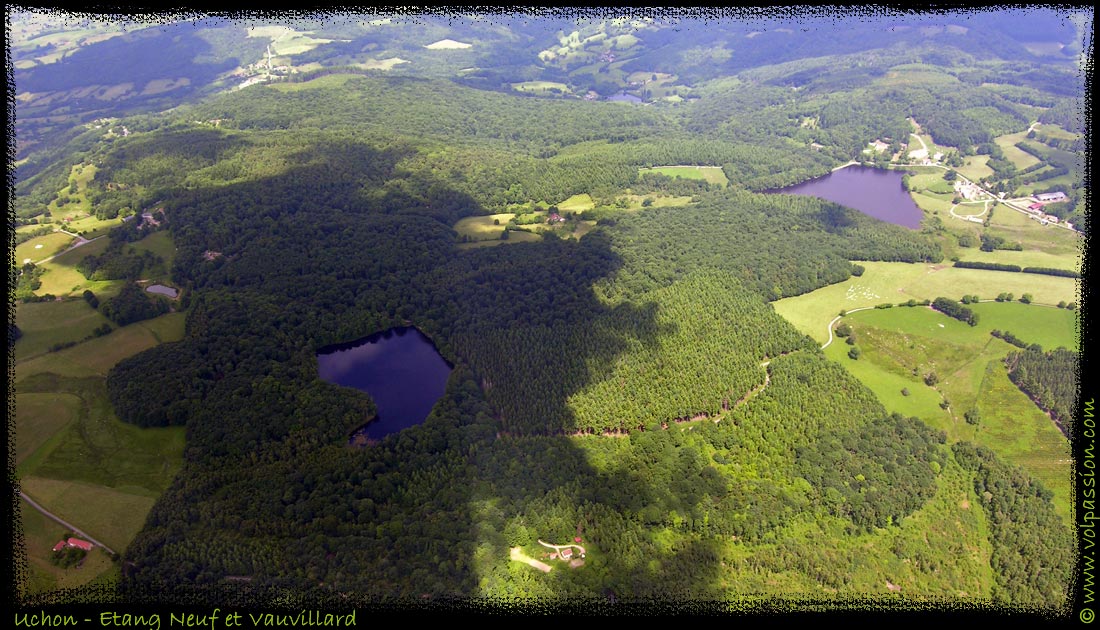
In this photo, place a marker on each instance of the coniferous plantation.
(620, 379)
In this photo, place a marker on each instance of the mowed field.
(1020, 158)
(41, 533)
(45, 324)
(710, 174)
(39, 418)
(902, 345)
(97, 356)
(898, 282)
(62, 278)
(483, 228)
(1015, 227)
(41, 247)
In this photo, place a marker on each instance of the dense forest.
(633, 388)
(1050, 379)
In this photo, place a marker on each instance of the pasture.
(898, 282)
(974, 167)
(41, 247)
(38, 418)
(542, 87)
(904, 344)
(709, 174)
(62, 278)
(513, 237)
(108, 515)
(1020, 159)
(99, 449)
(45, 324)
(39, 536)
(1016, 227)
(97, 356)
(577, 203)
(483, 228)
(285, 40)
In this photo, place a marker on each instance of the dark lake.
(400, 369)
(873, 191)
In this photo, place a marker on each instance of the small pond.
(873, 191)
(162, 290)
(400, 369)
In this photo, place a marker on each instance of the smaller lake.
(162, 290)
(400, 369)
(873, 191)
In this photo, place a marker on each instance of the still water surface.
(400, 369)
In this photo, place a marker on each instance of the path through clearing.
(518, 555)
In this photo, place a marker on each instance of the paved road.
(68, 525)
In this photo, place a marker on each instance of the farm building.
(1051, 197)
(1035, 208)
(555, 218)
(566, 553)
(73, 542)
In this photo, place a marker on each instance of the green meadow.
(45, 324)
(62, 278)
(39, 418)
(898, 282)
(97, 356)
(710, 174)
(39, 536)
(483, 228)
(110, 516)
(901, 345)
(41, 247)
(1020, 158)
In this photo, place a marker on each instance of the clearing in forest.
(709, 174)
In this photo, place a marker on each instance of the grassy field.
(514, 237)
(898, 282)
(108, 515)
(285, 40)
(1022, 259)
(1021, 159)
(160, 244)
(97, 356)
(901, 345)
(1046, 326)
(327, 81)
(577, 203)
(62, 278)
(483, 228)
(1015, 227)
(91, 227)
(39, 417)
(710, 174)
(47, 323)
(99, 449)
(41, 247)
(974, 167)
(39, 536)
(541, 87)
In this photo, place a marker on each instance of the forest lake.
(403, 372)
(399, 368)
(873, 191)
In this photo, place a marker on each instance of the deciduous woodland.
(622, 378)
